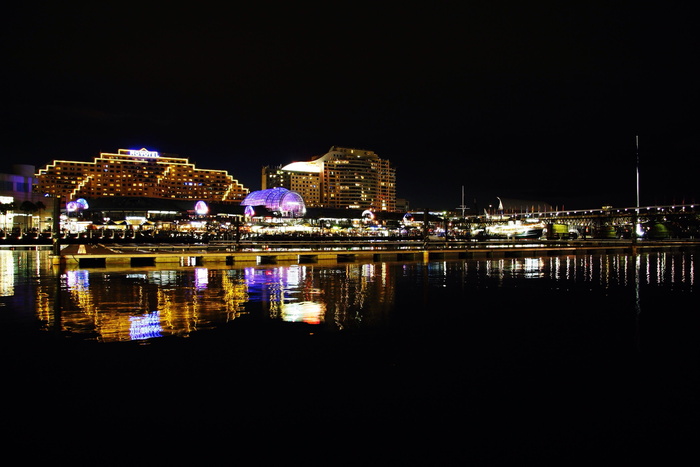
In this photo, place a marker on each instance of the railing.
(364, 244)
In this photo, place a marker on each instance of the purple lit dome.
(279, 200)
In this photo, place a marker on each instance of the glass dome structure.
(277, 200)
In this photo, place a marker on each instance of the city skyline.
(541, 101)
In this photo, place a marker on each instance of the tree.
(28, 208)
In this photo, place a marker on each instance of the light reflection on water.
(145, 303)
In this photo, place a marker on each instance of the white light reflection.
(163, 277)
(691, 268)
(306, 312)
(78, 280)
(672, 270)
(294, 274)
(7, 278)
(606, 270)
(145, 327)
(532, 267)
(201, 278)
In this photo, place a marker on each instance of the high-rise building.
(300, 177)
(138, 173)
(342, 178)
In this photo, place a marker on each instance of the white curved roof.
(302, 167)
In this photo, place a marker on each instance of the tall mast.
(636, 138)
(635, 219)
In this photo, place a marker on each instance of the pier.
(299, 252)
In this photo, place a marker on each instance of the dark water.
(590, 359)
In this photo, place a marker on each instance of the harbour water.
(548, 359)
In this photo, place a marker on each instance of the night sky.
(527, 100)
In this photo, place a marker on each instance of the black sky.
(528, 100)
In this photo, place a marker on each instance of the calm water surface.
(115, 304)
(544, 359)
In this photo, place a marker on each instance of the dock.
(251, 253)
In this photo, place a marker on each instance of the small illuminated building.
(279, 201)
(21, 207)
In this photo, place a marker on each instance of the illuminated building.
(18, 184)
(278, 201)
(300, 177)
(343, 178)
(138, 173)
(357, 179)
(22, 208)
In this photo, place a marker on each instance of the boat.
(530, 228)
(530, 232)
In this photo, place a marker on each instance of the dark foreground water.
(591, 359)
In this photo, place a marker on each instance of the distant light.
(201, 208)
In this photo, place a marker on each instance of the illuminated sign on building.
(143, 152)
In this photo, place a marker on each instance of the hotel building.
(300, 177)
(343, 178)
(138, 173)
